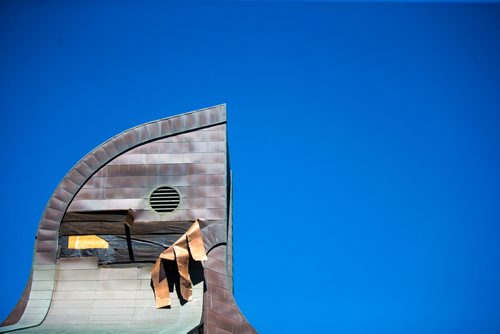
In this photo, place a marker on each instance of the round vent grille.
(164, 199)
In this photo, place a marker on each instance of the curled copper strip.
(192, 240)
(182, 256)
(162, 295)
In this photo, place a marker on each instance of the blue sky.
(364, 144)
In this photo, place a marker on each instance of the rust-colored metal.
(192, 240)
(160, 283)
(221, 314)
(182, 257)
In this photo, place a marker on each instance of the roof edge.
(62, 196)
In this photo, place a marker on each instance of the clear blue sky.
(364, 143)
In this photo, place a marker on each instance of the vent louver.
(164, 199)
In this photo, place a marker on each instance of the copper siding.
(188, 152)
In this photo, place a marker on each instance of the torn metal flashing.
(190, 243)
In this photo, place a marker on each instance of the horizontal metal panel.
(72, 309)
(76, 285)
(145, 284)
(124, 204)
(179, 216)
(43, 275)
(145, 294)
(110, 285)
(180, 147)
(163, 169)
(219, 127)
(203, 203)
(77, 263)
(72, 303)
(40, 294)
(113, 311)
(159, 148)
(118, 304)
(43, 267)
(109, 216)
(200, 191)
(202, 136)
(115, 294)
(38, 303)
(116, 193)
(144, 272)
(138, 193)
(145, 303)
(45, 257)
(121, 317)
(156, 181)
(118, 273)
(108, 204)
(142, 158)
(33, 318)
(96, 295)
(42, 285)
(77, 275)
(73, 319)
(35, 310)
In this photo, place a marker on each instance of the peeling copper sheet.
(189, 242)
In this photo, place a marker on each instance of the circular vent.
(164, 199)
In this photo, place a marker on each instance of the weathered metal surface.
(186, 152)
(88, 298)
(221, 314)
(99, 157)
(18, 310)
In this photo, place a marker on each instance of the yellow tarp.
(86, 242)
